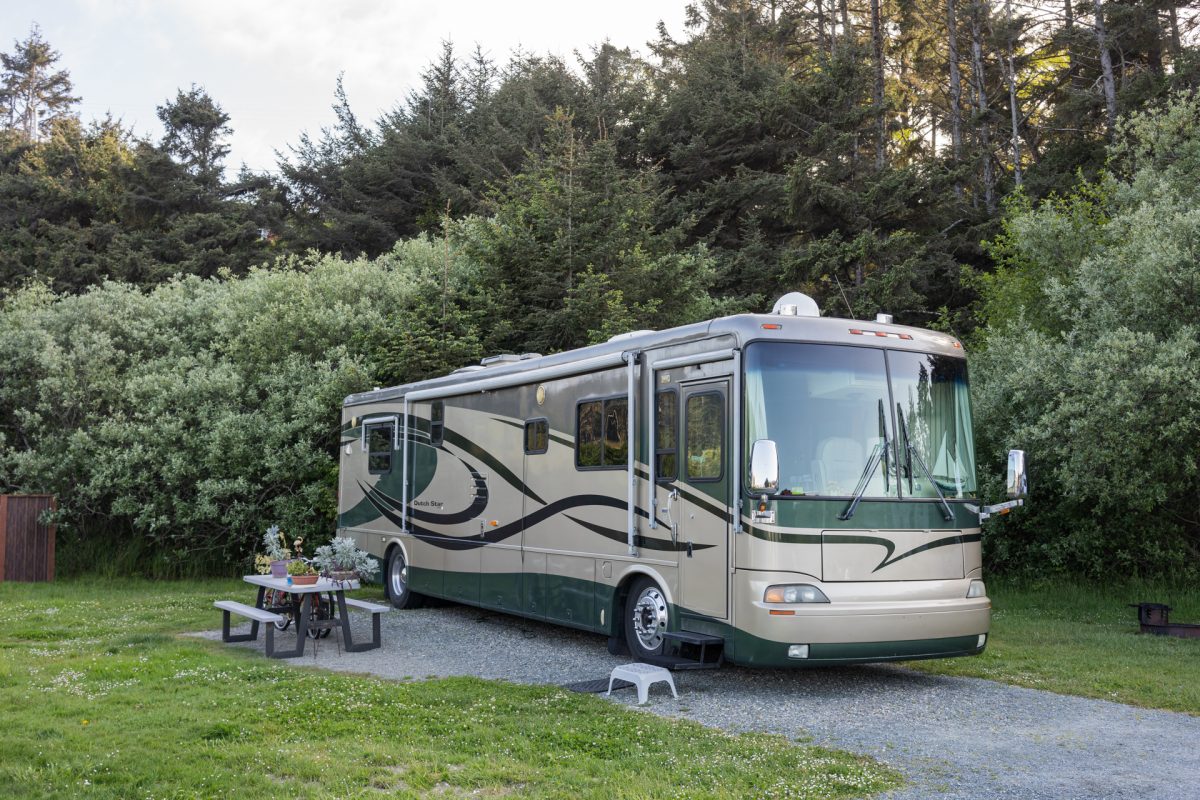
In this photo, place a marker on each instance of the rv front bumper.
(882, 621)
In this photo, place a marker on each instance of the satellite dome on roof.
(796, 304)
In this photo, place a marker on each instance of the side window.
(379, 447)
(616, 433)
(705, 436)
(666, 437)
(437, 422)
(537, 436)
(601, 433)
(588, 427)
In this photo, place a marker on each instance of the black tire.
(276, 599)
(395, 581)
(647, 615)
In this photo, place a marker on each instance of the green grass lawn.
(101, 698)
(1084, 640)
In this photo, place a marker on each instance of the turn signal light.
(794, 593)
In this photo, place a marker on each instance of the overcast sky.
(273, 65)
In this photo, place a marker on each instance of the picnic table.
(304, 596)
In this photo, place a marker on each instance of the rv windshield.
(828, 406)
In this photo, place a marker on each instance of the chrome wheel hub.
(650, 618)
(399, 576)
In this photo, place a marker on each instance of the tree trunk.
(845, 8)
(880, 114)
(985, 125)
(1106, 68)
(1012, 96)
(1176, 45)
(1069, 25)
(955, 85)
(825, 41)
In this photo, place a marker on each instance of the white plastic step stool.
(642, 675)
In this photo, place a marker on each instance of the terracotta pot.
(304, 580)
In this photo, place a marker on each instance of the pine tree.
(32, 93)
(196, 130)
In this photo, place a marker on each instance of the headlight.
(977, 589)
(794, 593)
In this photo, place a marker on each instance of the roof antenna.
(843, 291)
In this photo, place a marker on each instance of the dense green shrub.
(176, 424)
(1093, 363)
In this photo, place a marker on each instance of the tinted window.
(705, 436)
(537, 436)
(379, 447)
(666, 438)
(437, 422)
(616, 432)
(589, 424)
(602, 434)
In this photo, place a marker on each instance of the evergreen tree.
(570, 254)
(33, 94)
(196, 130)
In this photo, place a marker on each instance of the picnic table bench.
(257, 614)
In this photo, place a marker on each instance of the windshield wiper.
(913, 454)
(879, 453)
(861, 489)
(887, 448)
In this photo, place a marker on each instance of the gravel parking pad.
(952, 737)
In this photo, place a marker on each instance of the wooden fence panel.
(26, 544)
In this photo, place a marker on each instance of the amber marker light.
(494, 523)
(782, 612)
(772, 326)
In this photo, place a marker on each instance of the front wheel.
(396, 581)
(647, 617)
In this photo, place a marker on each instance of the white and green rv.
(768, 489)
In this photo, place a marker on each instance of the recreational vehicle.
(778, 489)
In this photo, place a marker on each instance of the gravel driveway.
(952, 737)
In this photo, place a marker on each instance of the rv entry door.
(705, 483)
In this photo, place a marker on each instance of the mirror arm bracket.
(998, 508)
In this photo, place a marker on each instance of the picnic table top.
(281, 584)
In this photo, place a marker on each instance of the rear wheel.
(396, 581)
(647, 617)
(280, 603)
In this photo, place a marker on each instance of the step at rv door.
(703, 502)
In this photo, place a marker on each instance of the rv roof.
(742, 329)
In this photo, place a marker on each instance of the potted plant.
(341, 560)
(276, 554)
(301, 572)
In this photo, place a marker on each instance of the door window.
(705, 436)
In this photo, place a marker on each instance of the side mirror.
(1018, 482)
(764, 467)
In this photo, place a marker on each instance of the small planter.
(343, 575)
(279, 569)
(304, 580)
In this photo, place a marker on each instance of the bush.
(176, 424)
(1096, 371)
